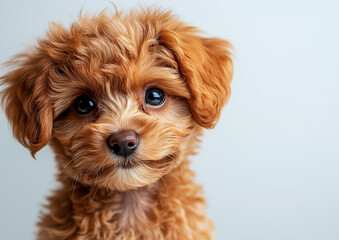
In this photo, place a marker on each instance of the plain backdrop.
(270, 169)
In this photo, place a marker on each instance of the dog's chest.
(104, 217)
(136, 206)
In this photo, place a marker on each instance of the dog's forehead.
(126, 75)
(112, 49)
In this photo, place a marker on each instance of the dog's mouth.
(163, 162)
(129, 163)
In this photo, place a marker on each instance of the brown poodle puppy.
(122, 99)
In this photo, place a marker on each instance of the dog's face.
(120, 98)
(122, 125)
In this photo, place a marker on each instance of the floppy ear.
(206, 66)
(26, 101)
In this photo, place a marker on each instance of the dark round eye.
(155, 96)
(84, 104)
(60, 71)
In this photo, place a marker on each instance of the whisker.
(163, 180)
(74, 182)
(72, 161)
(95, 192)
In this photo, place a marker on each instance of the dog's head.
(120, 98)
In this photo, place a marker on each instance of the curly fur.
(114, 58)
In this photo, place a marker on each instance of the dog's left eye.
(84, 104)
(155, 97)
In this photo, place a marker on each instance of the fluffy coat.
(115, 58)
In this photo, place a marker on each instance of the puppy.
(122, 99)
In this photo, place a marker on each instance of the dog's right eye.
(84, 104)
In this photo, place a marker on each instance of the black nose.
(123, 143)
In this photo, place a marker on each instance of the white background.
(270, 169)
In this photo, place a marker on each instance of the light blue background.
(270, 169)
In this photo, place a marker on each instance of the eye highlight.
(155, 97)
(84, 104)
